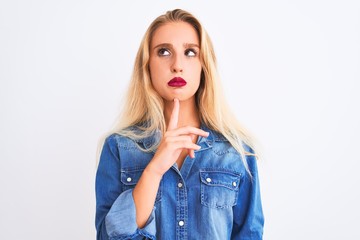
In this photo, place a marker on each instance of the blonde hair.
(144, 107)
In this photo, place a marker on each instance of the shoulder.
(219, 143)
(119, 141)
(132, 153)
(220, 139)
(132, 138)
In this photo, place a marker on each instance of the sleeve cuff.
(121, 220)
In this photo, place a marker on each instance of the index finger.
(173, 122)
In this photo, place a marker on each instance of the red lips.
(177, 82)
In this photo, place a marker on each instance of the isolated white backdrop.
(290, 71)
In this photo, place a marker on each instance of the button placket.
(181, 210)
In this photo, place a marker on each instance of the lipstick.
(177, 82)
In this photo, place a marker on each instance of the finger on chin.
(173, 122)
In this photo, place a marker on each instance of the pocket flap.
(223, 178)
(130, 176)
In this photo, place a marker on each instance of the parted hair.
(144, 107)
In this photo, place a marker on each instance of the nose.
(177, 66)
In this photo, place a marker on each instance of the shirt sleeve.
(248, 215)
(115, 210)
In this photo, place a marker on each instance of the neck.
(188, 113)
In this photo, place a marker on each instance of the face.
(175, 67)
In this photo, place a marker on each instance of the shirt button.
(234, 184)
(208, 179)
(181, 223)
(128, 179)
(180, 185)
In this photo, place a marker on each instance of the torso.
(213, 195)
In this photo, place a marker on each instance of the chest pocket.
(130, 177)
(219, 188)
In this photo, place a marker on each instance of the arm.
(248, 215)
(130, 214)
(115, 210)
(174, 141)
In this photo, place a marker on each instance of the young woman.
(178, 166)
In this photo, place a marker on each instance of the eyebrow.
(168, 45)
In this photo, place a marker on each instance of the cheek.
(155, 75)
(151, 67)
(193, 67)
(153, 72)
(198, 70)
(156, 68)
(197, 66)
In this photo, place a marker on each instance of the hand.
(174, 141)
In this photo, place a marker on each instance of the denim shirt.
(210, 197)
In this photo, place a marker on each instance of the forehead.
(175, 33)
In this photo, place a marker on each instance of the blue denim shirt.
(210, 197)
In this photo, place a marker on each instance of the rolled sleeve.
(121, 220)
(115, 210)
(248, 213)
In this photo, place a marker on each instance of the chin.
(181, 96)
(185, 98)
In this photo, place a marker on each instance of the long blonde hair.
(144, 107)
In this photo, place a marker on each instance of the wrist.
(154, 171)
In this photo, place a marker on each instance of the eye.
(163, 52)
(190, 53)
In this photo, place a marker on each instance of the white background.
(290, 70)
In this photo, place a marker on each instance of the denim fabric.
(210, 197)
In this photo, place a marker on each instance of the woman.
(178, 166)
